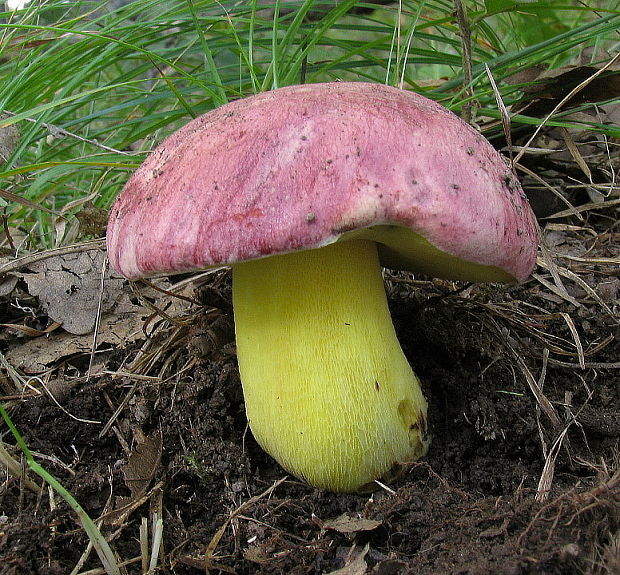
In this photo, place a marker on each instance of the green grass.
(100, 544)
(91, 92)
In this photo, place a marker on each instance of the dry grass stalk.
(209, 556)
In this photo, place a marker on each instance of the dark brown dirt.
(469, 507)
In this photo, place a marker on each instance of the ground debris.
(71, 289)
(139, 471)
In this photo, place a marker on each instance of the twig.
(104, 267)
(15, 468)
(56, 131)
(17, 263)
(220, 532)
(465, 34)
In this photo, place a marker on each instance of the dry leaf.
(117, 330)
(139, 471)
(122, 327)
(347, 524)
(69, 288)
(142, 465)
(551, 86)
(8, 283)
(357, 566)
(583, 154)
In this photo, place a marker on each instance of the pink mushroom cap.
(305, 166)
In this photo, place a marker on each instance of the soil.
(180, 447)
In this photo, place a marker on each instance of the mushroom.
(306, 191)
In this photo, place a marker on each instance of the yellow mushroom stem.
(328, 391)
